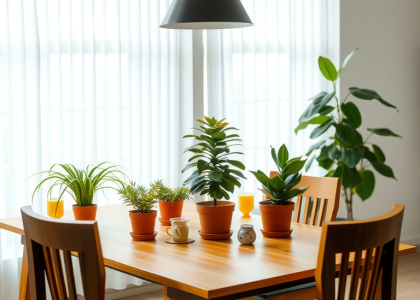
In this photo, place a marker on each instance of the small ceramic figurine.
(246, 234)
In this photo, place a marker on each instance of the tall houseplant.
(276, 212)
(81, 185)
(345, 154)
(214, 173)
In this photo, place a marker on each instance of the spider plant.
(137, 196)
(81, 185)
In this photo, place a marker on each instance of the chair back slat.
(378, 238)
(322, 190)
(298, 207)
(46, 239)
(71, 283)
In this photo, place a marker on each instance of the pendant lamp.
(206, 14)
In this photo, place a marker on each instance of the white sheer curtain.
(261, 77)
(86, 81)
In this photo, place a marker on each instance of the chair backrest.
(49, 240)
(325, 192)
(372, 246)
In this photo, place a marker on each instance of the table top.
(208, 269)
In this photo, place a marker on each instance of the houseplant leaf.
(383, 132)
(351, 156)
(367, 184)
(346, 133)
(346, 61)
(316, 105)
(366, 94)
(349, 176)
(352, 113)
(327, 68)
(283, 156)
(318, 131)
(237, 164)
(314, 121)
(378, 153)
(383, 169)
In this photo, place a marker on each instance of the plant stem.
(215, 202)
(346, 98)
(349, 204)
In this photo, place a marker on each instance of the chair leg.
(24, 278)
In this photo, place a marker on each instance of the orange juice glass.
(52, 206)
(246, 203)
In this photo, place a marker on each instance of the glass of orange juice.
(246, 203)
(54, 209)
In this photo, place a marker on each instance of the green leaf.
(383, 132)
(371, 157)
(334, 152)
(216, 175)
(218, 136)
(237, 164)
(188, 136)
(232, 179)
(346, 133)
(228, 186)
(309, 163)
(321, 129)
(318, 104)
(349, 176)
(327, 68)
(351, 156)
(315, 147)
(366, 94)
(277, 182)
(237, 173)
(352, 113)
(202, 165)
(346, 61)
(367, 184)
(314, 121)
(273, 155)
(283, 156)
(293, 167)
(383, 169)
(195, 150)
(189, 166)
(292, 193)
(378, 153)
(194, 175)
(292, 180)
(261, 177)
(326, 110)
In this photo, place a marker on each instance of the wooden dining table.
(204, 269)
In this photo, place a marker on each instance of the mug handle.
(177, 233)
(167, 231)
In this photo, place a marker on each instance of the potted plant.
(170, 201)
(81, 185)
(276, 213)
(214, 175)
(143, 216)
(345, 154)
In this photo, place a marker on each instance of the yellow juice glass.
(246, 203)
(52, 206)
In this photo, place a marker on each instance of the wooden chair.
(372, 245)
(49, 240)
(325, 192)
(325, 195)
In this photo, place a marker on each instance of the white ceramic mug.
(180, 228)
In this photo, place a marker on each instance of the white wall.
(388, 61)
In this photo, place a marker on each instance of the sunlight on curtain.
(261, 77)
(82, 82)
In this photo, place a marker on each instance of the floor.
(408, 281)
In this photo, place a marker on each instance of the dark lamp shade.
(206, 14)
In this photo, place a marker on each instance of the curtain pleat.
(82, 82)
(260, 77)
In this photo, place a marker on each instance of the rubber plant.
(214, 173)
(344, 152)
(280, 189)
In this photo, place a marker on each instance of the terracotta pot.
(276, 218)
(168, 211)
(85, 213)
(215, 219)
(143, 223)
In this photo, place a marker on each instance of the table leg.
(24, 278)
(165, 293)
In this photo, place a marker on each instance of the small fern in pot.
(143, 216)
(171, 200)
(276, 212)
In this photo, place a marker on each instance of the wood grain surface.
(208, 269)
